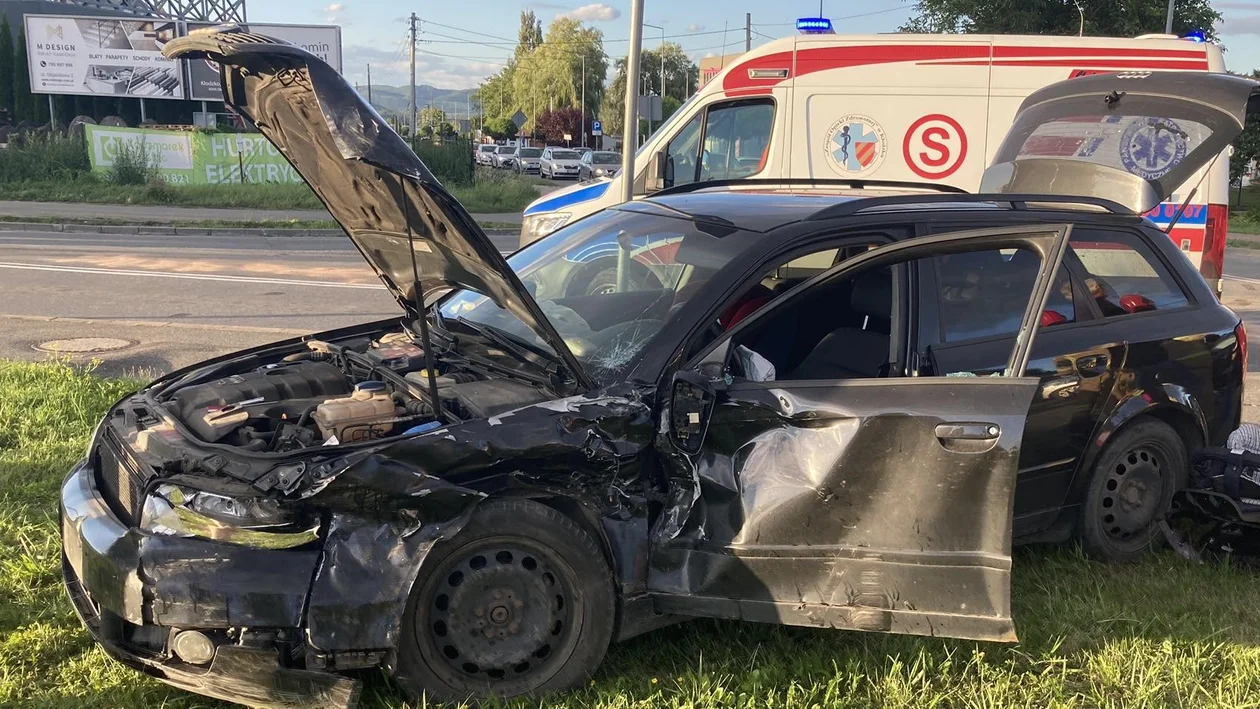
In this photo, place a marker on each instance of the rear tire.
(1131, 489)
(520, 602)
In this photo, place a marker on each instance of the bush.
(33, 157)
(135, 164)
(451, 161)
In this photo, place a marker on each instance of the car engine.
(343, 393)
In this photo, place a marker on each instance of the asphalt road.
(179, 300)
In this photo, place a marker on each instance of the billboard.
(101, 56)
(188, 158)
(324, 41)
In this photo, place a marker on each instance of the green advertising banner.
(193, 158)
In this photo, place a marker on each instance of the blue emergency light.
(1195, 36)
(813, 25)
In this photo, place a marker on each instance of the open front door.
(878, 504)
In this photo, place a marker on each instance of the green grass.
(1160, 633)
(489, 196)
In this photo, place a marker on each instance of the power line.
(461, 29)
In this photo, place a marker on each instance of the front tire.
(1131, 489)
(520, 602)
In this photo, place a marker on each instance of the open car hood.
(1132, 137)
(394, 210)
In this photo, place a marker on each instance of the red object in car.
(1052, 317)
(748, 304)
(1134, 303)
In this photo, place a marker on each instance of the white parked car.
(560, 162)
(485, 153)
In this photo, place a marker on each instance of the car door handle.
(1060, 387)
(1092, 365)
(968, 431)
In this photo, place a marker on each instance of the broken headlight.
(254, 522)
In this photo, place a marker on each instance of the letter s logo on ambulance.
(856, 145)
(935, 146)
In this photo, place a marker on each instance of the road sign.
(935, 146)
(597, 128)
(568, 136)
(519, 118)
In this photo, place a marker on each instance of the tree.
(430, 117)
(681, 77)
(554, 125)
(1109, 18)
(500, 128)
(7, 67)
(530, 35)
(1246, 147)
(551, 76)
(25, 104)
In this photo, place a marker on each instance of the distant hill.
(393, 99)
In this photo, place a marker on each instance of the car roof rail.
(852, 183)
(1012, 201)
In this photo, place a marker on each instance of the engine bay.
(343, 393)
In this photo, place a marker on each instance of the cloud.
(1236, 5)
(333, 14)
(392, 68)
(598, 12)
(693, 27)
(1235, 25)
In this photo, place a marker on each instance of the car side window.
(1123, 274)
(983, 294)
(682, 152)
(736, 140)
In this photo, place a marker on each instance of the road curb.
(149, 230)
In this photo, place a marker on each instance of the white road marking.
(1240, 279)
(188, 276)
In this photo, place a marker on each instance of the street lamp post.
(662, 29)
(631, 114)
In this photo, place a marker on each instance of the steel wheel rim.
(1132, 493)
(499, 611)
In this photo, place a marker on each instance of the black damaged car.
(827, 410)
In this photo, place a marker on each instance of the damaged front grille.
(121, 477)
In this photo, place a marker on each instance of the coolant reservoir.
(362, 416)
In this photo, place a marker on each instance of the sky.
(374, 31)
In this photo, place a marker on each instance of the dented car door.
(878, 504)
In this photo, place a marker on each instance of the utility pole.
(411, 107)
(747, 31)
(631, 130)
(583, 106)
(1172, 5)
(369, 69)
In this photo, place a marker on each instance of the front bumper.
(132, 590)
(531, 167)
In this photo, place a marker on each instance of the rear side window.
(983, 294)
(1123, 275)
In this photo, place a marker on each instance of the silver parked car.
(527, 160)
(503, 157)
(599, 163)
(560, 162)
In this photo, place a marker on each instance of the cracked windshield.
(607, 285)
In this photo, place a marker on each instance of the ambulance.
(872, 111)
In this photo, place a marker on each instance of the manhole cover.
(84, 345)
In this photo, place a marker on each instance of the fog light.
(193, 647)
